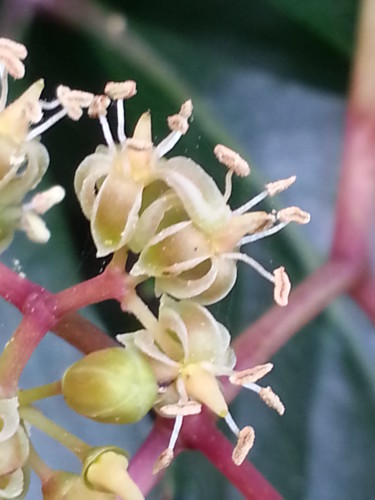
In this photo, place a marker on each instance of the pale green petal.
(197, 191)
(115, 213)
(150, 220)
(190, 284)
(172, 251)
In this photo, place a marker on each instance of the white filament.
(168, 143)
(46, 125)
(263, 234)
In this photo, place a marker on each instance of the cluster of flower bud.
(171, 214)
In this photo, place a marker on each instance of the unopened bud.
(113, 385)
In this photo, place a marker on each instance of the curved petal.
(189, 284)
(222, 284)
(151, 219)
(115, 213)
(197, 191)
(87, 176)
(170, 320)
(175, 249)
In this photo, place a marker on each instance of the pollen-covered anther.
(11, 55)
(246, 437)
(272, 400)
(186, 109)
(73, 101)
(279, 186)
(183, 409)
(293, 214)
(33, 111)
(232, 160)
(164, 460)
(121, 90)
(178, 123)
(45, 200)
(98, 106)
(282, 286)
(250, 375)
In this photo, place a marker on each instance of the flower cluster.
(171, 214)
(183, 233)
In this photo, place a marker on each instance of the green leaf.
(334, 21)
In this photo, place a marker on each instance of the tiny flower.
(110, 183)
(188, 350)
(191, 261)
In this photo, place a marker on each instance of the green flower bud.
(113, 385)
(67, 486)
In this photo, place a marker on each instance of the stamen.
(186, 109)
(262, 234)
(46, 125)
(293, 214)
(73, 101)
(251, 203)
(272, 400)
(11, 54)
(232, 424)
(279, 186)
(228, 185)
(48, 105)
(251, 374)
(164, 460)
(167, 144)
(179, 126)
(35, 227)
(183, 409)
(252, 263)
(232, 160)
(245, 442)
(98, 106)
(121, 121)
(282, 287)
(178, 123)
(106, 131)
(45, 200)
(4, 88)
(166, 457)
(121, 90)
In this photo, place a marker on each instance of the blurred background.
(268, 78)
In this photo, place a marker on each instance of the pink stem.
(82, 334)
(111, 284)
(355, 210)
(37, 321)
(15, 289)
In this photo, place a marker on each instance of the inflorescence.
(185, 235)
